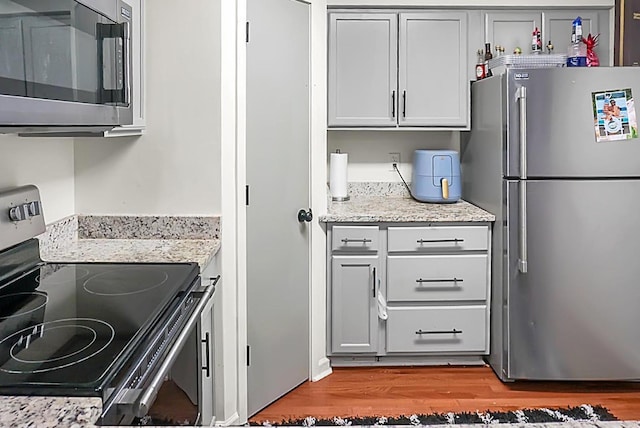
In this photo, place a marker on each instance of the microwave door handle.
(126, 61)
(122, 51)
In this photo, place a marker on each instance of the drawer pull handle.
(454, 280)
(364, 241)
(454, 331)
(435, 241)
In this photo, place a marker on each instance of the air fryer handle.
(445, 188)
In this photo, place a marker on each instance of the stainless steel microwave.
(65, 65)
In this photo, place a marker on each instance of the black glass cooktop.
(68, 328)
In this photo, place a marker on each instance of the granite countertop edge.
(45, 412)
(201, 251)
(381, 209)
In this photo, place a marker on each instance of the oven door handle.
(149, 394)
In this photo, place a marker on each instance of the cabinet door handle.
(404, 103)
(454, 331)
(374, 282)
(393, 104)
(207, 355)
(420, 280)
(364, 241)
(431, 241)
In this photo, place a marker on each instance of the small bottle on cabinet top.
(487, 56)
(481, 69)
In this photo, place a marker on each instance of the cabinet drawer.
(439, 238)
(437, 329)
(355, 238)
(435, 277)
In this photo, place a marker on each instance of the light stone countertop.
(376, 209)
(201, 251)
(48, 412)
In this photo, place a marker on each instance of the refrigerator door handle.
(522, 100)
(522, 260)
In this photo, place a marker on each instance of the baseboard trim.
(233, 420)
(323, 369)
(431, 360)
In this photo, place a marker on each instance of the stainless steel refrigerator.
(566, 241)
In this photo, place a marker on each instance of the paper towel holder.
(340, 198)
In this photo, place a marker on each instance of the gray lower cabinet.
(353, 311)
(437, 329)
(355, 275)
(403, 293)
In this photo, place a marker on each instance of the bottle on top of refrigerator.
(576, 30)
(536, 42)
(487, 56)
(577, 53)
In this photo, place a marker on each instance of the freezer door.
(574, 314)
(559, 123)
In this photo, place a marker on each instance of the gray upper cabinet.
(433, 82)
(511, 29)
(362, 69)
(557, 28)
(384, 76)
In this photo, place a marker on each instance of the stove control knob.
(19, 213)
(35, 208)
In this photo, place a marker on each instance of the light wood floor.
(396, 391)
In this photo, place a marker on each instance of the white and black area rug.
(583, 413)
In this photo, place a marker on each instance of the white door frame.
(231, 390)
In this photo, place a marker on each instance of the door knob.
(305, 215)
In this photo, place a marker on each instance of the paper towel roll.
(338, 176)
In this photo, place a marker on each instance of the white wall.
(369, 151)
(45, 162)
(174, 168)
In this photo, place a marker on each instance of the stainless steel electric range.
(111, 330)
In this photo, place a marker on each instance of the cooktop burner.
(54, 345)
(117, 282)
(74, 326)
(47, 276)
(19, 304)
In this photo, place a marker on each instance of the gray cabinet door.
(512, 29)
(354, 322)
(362, 69)
(557, 28)
(433, 84)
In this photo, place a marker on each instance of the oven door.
(160, 358)
(64, 64)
